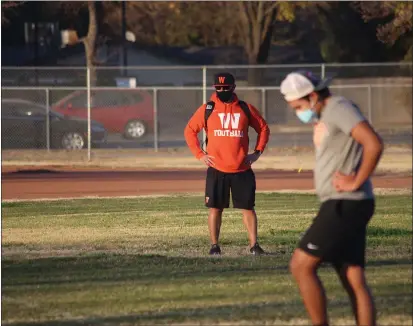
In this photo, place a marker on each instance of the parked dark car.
(24, 125)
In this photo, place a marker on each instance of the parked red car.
(125, 111)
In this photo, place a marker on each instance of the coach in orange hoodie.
(226, 120)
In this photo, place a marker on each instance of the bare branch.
(271, 8)
(257, 28)
(11, 4)
(249, 12)
(266, 26)
(245, 26)
(8, 7)
(260, 12)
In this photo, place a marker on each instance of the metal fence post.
(204, 84)
(323, 71)
(47, 120)
(204, 100)
(369, 108)
(89, 140)
(263, 104)
(155, 120)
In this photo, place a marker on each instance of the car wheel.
(135, 129)
(73, 140)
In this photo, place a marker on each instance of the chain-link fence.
(60, 112)
(160, 76)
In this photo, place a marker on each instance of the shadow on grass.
(253, 313)
(158, 269)
(145, 268)
(390, 262)
(387, 232)
(139, 268)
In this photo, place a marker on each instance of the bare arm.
(373, 147)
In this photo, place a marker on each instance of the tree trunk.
(90, 56)
(265, 46)
(255, 75)
(90, 42)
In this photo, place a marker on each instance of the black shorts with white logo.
(338, 232)
(219, 186)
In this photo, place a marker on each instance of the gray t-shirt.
(336, 150)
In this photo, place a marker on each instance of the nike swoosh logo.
(312, 246)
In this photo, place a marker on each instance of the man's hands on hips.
(251, 158)
(208, 160)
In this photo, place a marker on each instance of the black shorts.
(338, 232)
(219, 185)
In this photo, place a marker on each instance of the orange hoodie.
(227, 134)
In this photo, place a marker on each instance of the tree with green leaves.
(246, 23)
(332, 28)
(256, 21)
(394, 27)
(394, 21)
(175, 23)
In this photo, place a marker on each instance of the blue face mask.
(306, 116)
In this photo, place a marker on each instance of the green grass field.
(144, 261)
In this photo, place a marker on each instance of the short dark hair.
(322, 93)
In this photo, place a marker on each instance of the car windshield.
(51, 112)
(56, 114)
(28, 108)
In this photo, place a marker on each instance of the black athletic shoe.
(215, 250)
(257, 250)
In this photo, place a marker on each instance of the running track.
(49, 183)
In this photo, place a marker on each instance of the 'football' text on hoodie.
(227, 133)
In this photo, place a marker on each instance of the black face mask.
(225, 96)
